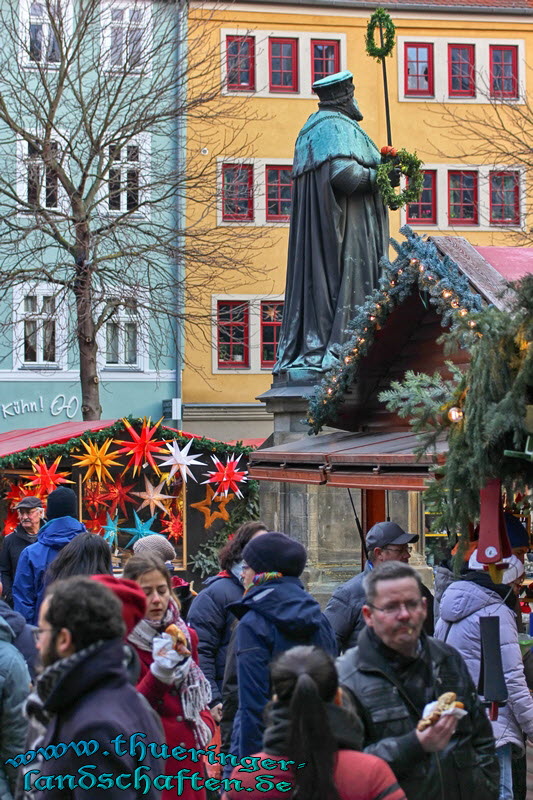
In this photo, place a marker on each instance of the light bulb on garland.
(447, 293)
(455, 414)
(463, 312)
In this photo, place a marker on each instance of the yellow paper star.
(153, 497)
(97, 460)
(204, 506)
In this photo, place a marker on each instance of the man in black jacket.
(385, 541)
(396, 670)
(30, 512)
(86, 699)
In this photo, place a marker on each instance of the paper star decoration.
(11, 522)
(118, 495)
(173, 527)
(140, 530)
(152, 496)
(93, 496)
(97, 460)
(47, 478)
(95, 523)
(227, 476)
(204, 506)
(16, 492)
(142, 446)
(111, 531)
(180, 460)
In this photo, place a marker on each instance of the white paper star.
(152, 496)
(180, 460)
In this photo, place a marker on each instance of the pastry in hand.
(179, 642)
(446, 702)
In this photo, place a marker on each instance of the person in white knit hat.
(155, 545)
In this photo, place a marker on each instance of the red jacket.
(178, 731)
(358, 776)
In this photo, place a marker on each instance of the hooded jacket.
(13, 545)
(14, 688)
(23, 636)
(274, 616)
(462, 605)
(28, 586)
(213, 622)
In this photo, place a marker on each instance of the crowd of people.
(111, 685)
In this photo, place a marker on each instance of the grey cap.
(30, 502)
(384, 533)
(155, 545)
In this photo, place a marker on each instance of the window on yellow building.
(463, 197)
(283, 64)
(419, 69)
(461, 70)
(233, 336)
(424, 210)
(504, 198)
(504, 71)
(324, 59)
(240, 63)
(271, 314)
(237, 192)
(279, 193)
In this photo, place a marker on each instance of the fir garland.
(418, 264)
(409, 165)
(383, 20)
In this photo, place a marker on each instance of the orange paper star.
(204, 506)
(97, 460)
(47, 478)
(142, 446)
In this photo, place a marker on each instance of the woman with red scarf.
(173, 684)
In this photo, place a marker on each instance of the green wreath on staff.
(409, 165)
(380, 18)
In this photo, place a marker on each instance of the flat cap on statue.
(335, 87)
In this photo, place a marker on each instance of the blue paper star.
(140, 530)
(111, 531)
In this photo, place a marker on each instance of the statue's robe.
(338, 234)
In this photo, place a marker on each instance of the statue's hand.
(394, 177)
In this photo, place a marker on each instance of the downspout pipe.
(180, 203)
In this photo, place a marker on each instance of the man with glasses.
(30, 513)
(392, 674)
(385, 541)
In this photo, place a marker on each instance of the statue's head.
(337, 92)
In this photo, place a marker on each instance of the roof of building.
(514, 7)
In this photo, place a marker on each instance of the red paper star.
(17, 492)
(141, 447)
(96, 522)
(47, 478)
(227, 476)
(93, 495)
(117, 494)
(173, 527)
(11, 522)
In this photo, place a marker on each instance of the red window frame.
(273, 182)
(513, 91)
(270, 329)
(236, 324)
(514, 190)
(469, 72)
(316, 75)
(430, 91)
(240, 192)
(293, 44)
(463, 220)
(415, 211)
(247, 59)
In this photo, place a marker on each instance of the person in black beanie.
(275, 614)
(62, 526)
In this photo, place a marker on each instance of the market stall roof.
(18, 440)
(360, 461)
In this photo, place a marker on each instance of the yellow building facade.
(450, 65)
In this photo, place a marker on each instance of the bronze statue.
(338, 233)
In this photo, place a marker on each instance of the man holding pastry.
(408, 689)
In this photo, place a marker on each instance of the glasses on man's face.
(404, 549)
(38, 631)
(393, 609)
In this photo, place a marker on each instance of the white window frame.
(483, 223)
(262, 77)
(482, 70)
(254, 331)
(25, 19)
(259, 191)
(144, 162)
(141, 319)
(23, 161)
(108, 24)
(40, 290)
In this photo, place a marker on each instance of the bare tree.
(94, 171)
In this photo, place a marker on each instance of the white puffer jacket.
(462, 604)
